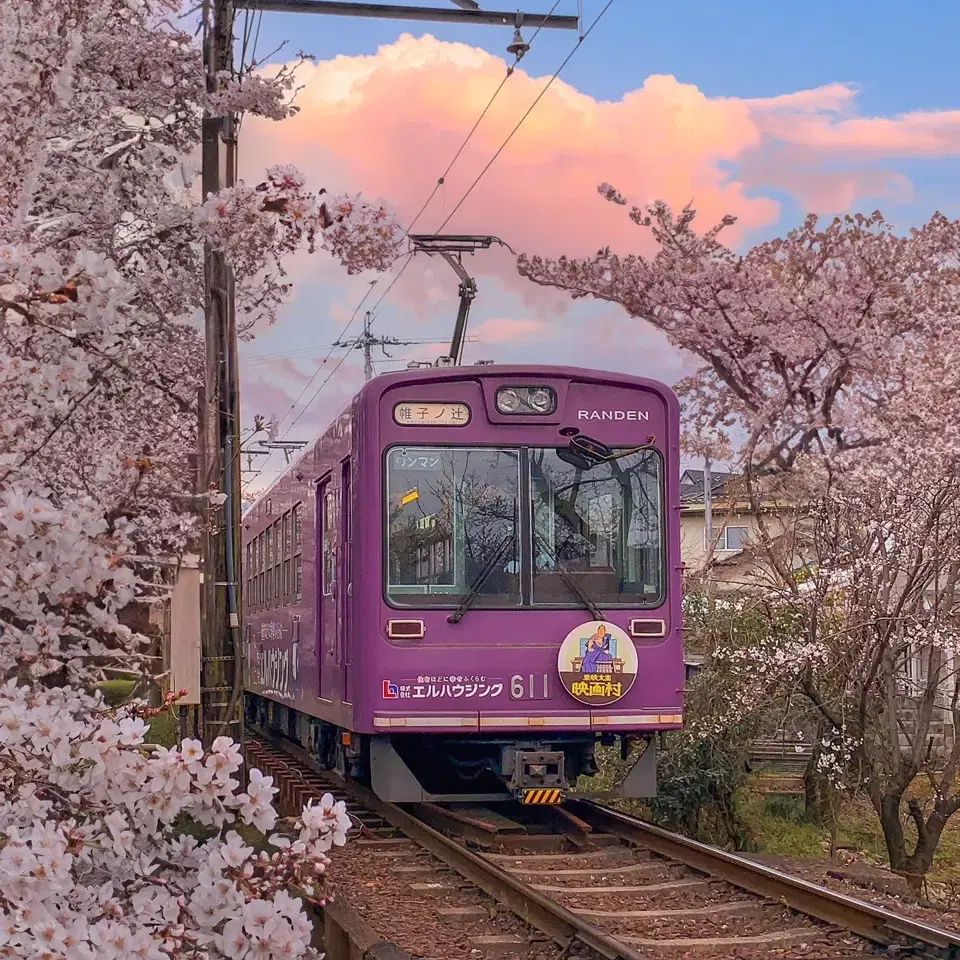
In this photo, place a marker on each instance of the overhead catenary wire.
(258, 359)
(343, 333)
(529, 110)
(440, 182)
(326, 380)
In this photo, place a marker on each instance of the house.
(734, 529)
(736, 564)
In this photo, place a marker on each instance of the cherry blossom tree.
(102, 232)
(828, 372)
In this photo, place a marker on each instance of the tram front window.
(602, 527)
(451, 513)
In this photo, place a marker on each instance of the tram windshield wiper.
(585, 453)
(477, 584)
(569, 582)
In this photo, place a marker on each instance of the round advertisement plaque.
(597, 663)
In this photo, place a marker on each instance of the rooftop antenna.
(452, 247)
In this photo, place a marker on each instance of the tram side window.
(245, 579)
(253, 572)
(260, 570)
(277, 561)
(257, 548)
(297, 556)
(268, 564)
(287, 544)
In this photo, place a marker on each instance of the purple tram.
(471, 579)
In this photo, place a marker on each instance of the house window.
(733, 538)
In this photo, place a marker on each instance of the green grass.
(116, 691)
(164, 728)
(781, 827)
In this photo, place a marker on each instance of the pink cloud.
(664, 140)
(506, 330)
(823, 120)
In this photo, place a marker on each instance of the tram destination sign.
(431, 414)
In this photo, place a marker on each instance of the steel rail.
(864, 919)
(549, 917)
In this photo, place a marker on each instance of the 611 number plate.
(530, 687)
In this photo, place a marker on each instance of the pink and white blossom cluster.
(829, 375)
(102, 234)
(90, 867)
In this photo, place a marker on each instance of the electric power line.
(257, 359)
(316, 393)
(441, 180)
(325, 359)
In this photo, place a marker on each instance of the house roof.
(692, 485)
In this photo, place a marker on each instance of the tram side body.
(373, 677)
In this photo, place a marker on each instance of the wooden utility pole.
(221, 666)
(221, 669)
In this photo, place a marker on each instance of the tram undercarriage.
(416, 768)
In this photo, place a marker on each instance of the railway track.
(602, 884)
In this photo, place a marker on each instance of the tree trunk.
(889, 813)
(921, 860)
(913, 867)
(813, 788)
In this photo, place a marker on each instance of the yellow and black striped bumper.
(544, 796)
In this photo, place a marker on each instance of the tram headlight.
(508, 401)
(541, 400)
(535, 401)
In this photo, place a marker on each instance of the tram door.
(345, 585)
(328, 588)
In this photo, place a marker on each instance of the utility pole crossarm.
(391, 11)
(367, 341)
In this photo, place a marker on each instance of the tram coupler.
(535, 776)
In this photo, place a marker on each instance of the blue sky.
(900, 58)
(903, 55)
